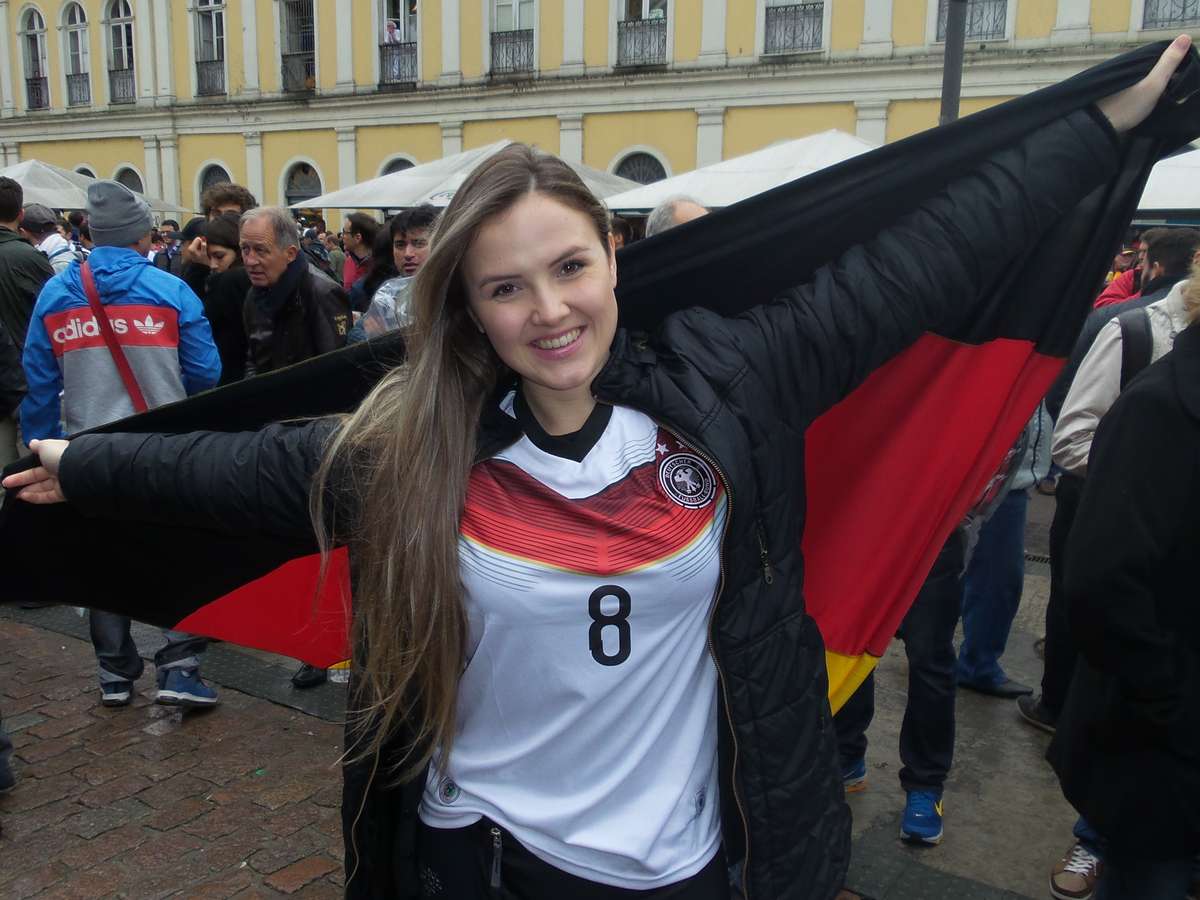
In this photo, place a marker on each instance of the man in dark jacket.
(23, 271)
(293, 311)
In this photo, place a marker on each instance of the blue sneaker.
(922, 822)
(116, 693)
(183, 687)
(854, 776)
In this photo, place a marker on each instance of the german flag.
(891, 470)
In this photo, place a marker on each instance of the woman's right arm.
(241, 483)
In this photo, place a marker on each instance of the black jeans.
(485, 862)
(1060, 647)
(927, 735)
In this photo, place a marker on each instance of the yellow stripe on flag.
(846, 674)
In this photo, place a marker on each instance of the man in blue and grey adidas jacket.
(160, 326)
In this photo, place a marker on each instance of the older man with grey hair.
(673, 211)
(293, 310)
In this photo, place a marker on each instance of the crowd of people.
(490, 756)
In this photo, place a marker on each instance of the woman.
(381, 268)
(584, 667)
(225, 294)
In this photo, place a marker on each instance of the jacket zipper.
(497, 850)
(764, 557)
(695, 445)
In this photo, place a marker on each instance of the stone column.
(344, 27)
(877, 29)
(10, 153)
(570, 137)
(710, 135)
(347, 151)
(872, 120)
(163, 52)
(254, 165)
(712, 32)
(1073, 23)
(250, 88)
(143, 52)
(573, 62)
(7, 102)
(168, 148)
(152, 168)
(451, 57)
(451, 138)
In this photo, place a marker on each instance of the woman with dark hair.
(583, 670)
(225, 294)
(379, 269)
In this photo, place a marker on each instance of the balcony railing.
(512, 51)
(1171, 13)
(120, 86)
(642, 42)
(397, 64)
(210, 77)
(79, 89)
(37, 92)
(987, 20)
(796, 28)
(299, 72)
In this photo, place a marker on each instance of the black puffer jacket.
(741, 391)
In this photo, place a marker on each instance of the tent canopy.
(60, 188)
(1174, 184)
(435, 183)
(725, 183)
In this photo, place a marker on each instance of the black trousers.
(927, 734)
(485, 862)
(1060, 647)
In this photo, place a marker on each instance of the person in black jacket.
(472, 487)
(225, 294)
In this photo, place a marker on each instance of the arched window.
(131, 180)
(120, 52)
(33, 42)
(211, 175)
(396, 165)
(84, 170)
(210, 47)
(641, 167)
(79, 83)
(302, 183)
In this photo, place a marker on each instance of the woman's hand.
(1130, 107)
(40, 485)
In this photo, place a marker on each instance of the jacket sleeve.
(817, 342)
(1094, 390)
(40, 410)
(241, 483)
(199, 361)
(1138, 504)
(331, 320)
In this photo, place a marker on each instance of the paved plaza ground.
(243, 801)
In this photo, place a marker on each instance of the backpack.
(1137, 343)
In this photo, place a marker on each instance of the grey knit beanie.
(116, 215)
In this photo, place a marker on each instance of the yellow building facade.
(296, 97)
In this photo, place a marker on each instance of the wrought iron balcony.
(397, 64)
(299, 72)
(642, 42)
(37, 93)
(79, 89)
(512, 51)
(120, 86)
(796, 28)
(210, 77)
(987, 20)
(1171, 13)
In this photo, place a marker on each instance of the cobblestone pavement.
(238, 801)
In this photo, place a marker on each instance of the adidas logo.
(149, 326)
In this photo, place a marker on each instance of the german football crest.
(687, 480)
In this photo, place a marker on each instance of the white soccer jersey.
(587, 714)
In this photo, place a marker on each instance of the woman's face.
(220, 258)
(541, 286)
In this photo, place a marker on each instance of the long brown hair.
(405, 457)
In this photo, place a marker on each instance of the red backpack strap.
(118, 355)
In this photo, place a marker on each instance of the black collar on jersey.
(574, 446)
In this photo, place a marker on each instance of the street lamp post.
(956, 35)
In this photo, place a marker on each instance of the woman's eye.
(504, 290)
(571, 266)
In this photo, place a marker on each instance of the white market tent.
(1174, 184)
(435, 183)
(727, 182)
(59, 188)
